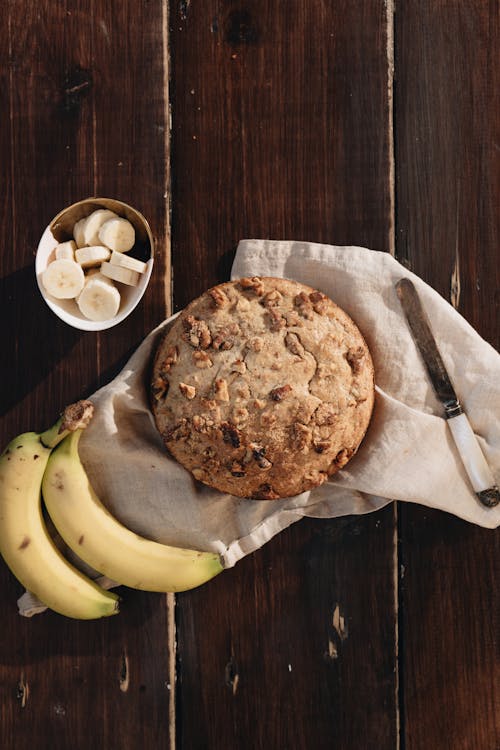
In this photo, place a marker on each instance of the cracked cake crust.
(262, 387)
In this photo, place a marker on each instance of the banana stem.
(70, 444)
(75, 417)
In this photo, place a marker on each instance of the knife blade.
(476, 467)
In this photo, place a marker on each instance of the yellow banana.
(90, 530)
(25, 543)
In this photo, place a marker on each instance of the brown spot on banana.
(24, 543)
(58, 480)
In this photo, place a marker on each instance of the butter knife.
(478, 471)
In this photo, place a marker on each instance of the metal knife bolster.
(474, 462)
(452, 408)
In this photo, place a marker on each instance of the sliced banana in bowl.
(106, 250)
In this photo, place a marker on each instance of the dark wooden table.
(341, 122)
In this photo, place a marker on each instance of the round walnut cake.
(262, 388)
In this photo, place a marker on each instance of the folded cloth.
(408, 453)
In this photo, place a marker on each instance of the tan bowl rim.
(112, 200)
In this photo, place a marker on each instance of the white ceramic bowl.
(60, 229)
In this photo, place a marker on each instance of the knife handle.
(473, 459)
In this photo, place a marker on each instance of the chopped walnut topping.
(230, 434)
(320, 302)
(264, 464)
(342, 458)
(302, 412)
(258, 452)
(224, 337)
(238, 366)
(267, 419)
(283, 391)
(222, 342)
(256, 344)
(160, 388)
(321, 446)
(354, 357)
(202, 424)
(197, 332)
(293, 319)
(242, 391)
(237, 469)
(178, 431)
(304, 305)
(248, 456)
(201, 359)
(209, 403)
(322, 432)
(242, 305)
(188, 391)
(276, 320)
(266, 492)
(315, 476)
(221, 390)
(325, 414)
(219, 298)
(302, 436)
(272, 299)
(171, 358)
(357, 394)
(255, 284)
(292, 342)
(236, 426)
(239, 415)
(198, 473)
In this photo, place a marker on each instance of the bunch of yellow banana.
(32, 465)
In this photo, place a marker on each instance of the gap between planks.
(390, 9)
(168, 297)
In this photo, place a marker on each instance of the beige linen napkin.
(408, 453)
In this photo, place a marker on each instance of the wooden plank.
(281, 129)
(446, 114)
(84, 91)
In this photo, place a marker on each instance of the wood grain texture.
(448, 194)
(285, 650)
(447, 122)
(281, 129)
(84, 113)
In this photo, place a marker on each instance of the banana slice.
(118, 234)
(117, 273)
(66, 250)
(94, 222)
(78, 232)
(92, 256)
(125, 261)
(94, 274)
(63, 279)
(99, 300)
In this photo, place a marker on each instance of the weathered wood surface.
(448, 195)
(281, 130)
(78, 119)
(368, 632)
